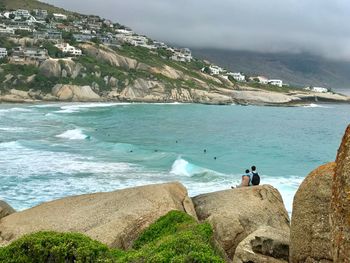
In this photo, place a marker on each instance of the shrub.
(175, 237)
(55, 247)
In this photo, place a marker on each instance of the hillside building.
(68, 49)
(276, 82)
(60, 16)
(39, 54)
(3, 52)
(237, 76)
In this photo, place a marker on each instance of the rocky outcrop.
(107, 55)
(203, 96)
(74, 93)
(5, 209)
(340, 208)
(168, 72)
(115, 218)
(235, 214)
(310, 226)
(60, 68)
(144, 90)
(263, 97)
(51, 68)
(266, 244)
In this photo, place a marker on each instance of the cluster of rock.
(258, 231)
(250, 224)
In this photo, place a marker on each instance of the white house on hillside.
(237, 76)
(3, 52)
(21, 13)
(66, 48)
(216, 70)
(60, 16)
(276, 82)
(318, 89)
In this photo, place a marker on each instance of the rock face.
(74, 93)
(267, 244)
(310, 226)
(51, 68)
(340, 208)
(235, 214)
(107, 55)
(5, 209)
(114, 218)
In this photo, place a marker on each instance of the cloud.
(319, 27)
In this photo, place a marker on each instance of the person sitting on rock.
(246, 180)
(255, 176)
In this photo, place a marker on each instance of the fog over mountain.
(318, 28)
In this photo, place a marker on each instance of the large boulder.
(107, 55)
(74, 93)
(51, 68)
(340, 208)
(5, 209)
(310, 227)
(266, 244)
(236, 213)
(115, 218)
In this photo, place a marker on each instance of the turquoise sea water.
(55, 150)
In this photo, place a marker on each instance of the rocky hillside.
(296, 69)
(29, 4)
(135, 74)
(39, 65)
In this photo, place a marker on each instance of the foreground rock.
(267, 244)
(340, 211)
(5, 209)
(235, 214)
(74, 93)
(115, 218)
(310, 227)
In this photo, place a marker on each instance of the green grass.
(175, 237)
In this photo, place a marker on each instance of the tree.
(12, 16)
(206, 70)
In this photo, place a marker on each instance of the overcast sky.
(320, 27)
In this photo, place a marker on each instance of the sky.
(318, 27)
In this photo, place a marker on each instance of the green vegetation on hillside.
(29, 4)
(175, 237)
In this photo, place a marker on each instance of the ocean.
(49, 151)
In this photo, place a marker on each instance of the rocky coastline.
(74, 93)
(249, 224)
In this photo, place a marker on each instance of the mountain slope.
(295, 69)
(29, 4)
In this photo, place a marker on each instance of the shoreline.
(305, 101)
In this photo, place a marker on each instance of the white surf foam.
(182, 167)
(79, 107)
(75, 134)
(313, 105)
(9, 110)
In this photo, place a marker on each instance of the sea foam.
(76, 134)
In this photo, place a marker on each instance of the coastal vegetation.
(175, 237)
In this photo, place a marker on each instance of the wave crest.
(75, 134)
